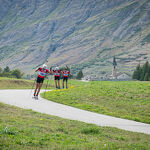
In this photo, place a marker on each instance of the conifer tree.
(142, 73)
(144, 70)
(137, 73)
(146, 77)
(79, 75)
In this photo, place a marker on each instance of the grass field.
(28, 130)
(126, 99)
(12, 83)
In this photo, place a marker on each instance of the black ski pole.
(33, 85)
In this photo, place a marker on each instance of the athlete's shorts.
(39, 80)
(57, 77)
(65, 78)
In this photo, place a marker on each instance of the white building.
(123, 76)
(120, 76)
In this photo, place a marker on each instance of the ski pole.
(70, 77)
(33, 85)
(51, 75)
(46, 87)
(49, 82)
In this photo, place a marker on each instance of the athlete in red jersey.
(39, 82)
(66, 73)
(57, 72)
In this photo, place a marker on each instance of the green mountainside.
(85, 34)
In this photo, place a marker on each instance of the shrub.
(8, 73)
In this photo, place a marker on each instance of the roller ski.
(35, 97)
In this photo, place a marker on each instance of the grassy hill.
(85, 34)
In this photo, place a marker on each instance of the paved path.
(22, 98)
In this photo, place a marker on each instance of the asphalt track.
(23, 99)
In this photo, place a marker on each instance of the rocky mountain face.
(85, 34)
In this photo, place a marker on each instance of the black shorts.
(57, 78)
(40, 80)
(65, 78)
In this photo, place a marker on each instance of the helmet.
(56, 68)
(65, 68)
(44, 66)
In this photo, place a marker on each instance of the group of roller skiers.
(43, 71)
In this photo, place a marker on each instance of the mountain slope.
(83, 33)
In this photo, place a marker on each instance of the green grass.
(126, 99)
(28, 130)
(12, 83)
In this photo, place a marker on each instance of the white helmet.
(44, 66)
(56, 68)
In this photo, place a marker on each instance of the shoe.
(36, 97)
(33, 97)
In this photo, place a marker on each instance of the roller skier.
(40, 79)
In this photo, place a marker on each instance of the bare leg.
(63, 83)
(37, 86)
(56, 83)
(66, 84)
(40, 85)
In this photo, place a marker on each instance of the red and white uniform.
(66, 73)
(42, 72)
(56, 73)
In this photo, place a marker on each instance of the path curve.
(23, 99)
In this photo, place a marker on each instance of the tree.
(1, 70)
(146, 77)
(149, 69)
(79, 75)
(142, 73)
(137, 73)
(6, 69)
(17, 73)
(145, 70)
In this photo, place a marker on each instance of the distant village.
(115, 76)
